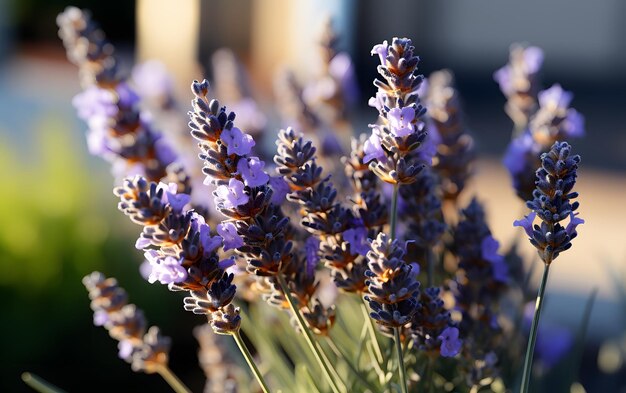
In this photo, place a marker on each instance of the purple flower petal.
(237, 142)
(177, 201)
(251, 170)
(450, 342)
(357, 240)
(280, 190)
(311, 247)
(228, 232)
(167, 270)
(232, 195)
(381, 50)
(526, 223)
(574, 221)
(373, 149)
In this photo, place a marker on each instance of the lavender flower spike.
(552, 203)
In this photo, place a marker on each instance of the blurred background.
(58, 216)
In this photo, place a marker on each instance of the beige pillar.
(167, 30)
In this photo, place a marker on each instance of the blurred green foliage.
(59, 223)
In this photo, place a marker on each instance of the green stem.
(530, 349)
(39, 384)
(372, 331)
(401, 370)
(341, 355)
(308, 335)
(176, 384)
(394, 208)
(250, 360)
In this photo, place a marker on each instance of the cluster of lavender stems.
(282, 223)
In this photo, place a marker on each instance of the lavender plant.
(295, 234)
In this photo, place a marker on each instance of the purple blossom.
(357, 240)
(378, 101)
(100, 317)
(489, 248)
(237, 142)
(152, 80)
(532, 59)
(400, 121)
(209, 243)
(232, 195)
(526, 223)
(97, 139)
(226, 263)
(95, 102)
(450, 342)
(280, 189)
(164, 152)
(177, 201)
(126, 96)
(555, 97)
(573, 223)
(311, 247)
(342, 69)
(142, 243)
(516, 153)
(251, 170)
(574, 126)
(381, 51)
(166, 270)
(228, 232)
(125, 349)
(373, 149)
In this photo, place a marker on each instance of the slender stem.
(394, 210)
(39, 384)
(307, 335)
(372, 331)
(530, 349)
(246, 354)
(401, 370)
(341, 355)
(176, 384)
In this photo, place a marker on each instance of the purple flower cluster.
(178, 246)
(393, 288)
(454, 152)
(392, 149)
(541, 117)
(519, 82)
(118, 131)
(481, 282)
(552, 203)
(146, 351)
(431, 327)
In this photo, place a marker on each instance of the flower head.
(228, 232)
(237, 142)
(280, 189)
(373, 149)
(357, 240)
(251, 170)
(166, 270)
(450, 342)
(553, 202)
(400, 121)
(231, 195)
